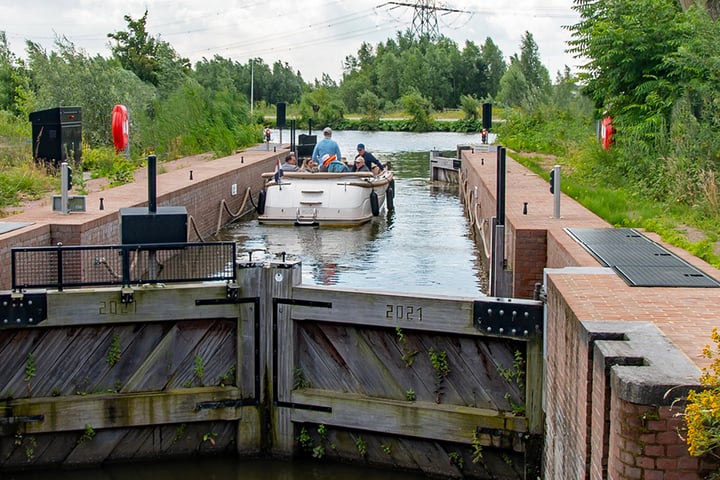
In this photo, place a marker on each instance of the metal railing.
(105, 265)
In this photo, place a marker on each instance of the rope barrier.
(224, 206)
(197, 232)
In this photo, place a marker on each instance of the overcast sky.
(313, 36)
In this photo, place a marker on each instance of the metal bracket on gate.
(126, 295)
(509, 317)
(20, 309)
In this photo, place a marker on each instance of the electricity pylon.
(424, 21)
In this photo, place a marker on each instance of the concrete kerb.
(645, 367)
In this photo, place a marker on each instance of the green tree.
(626, 44)
(16, 95)
(495, 66)
(419, 109)
(514, 87)
(152, 60)
(532, 68)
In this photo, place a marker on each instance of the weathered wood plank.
(150, 304)
(124, 410)
(441, 422)
(440, 314)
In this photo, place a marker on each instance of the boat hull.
(331, 199)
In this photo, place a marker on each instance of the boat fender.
(261, 202)
(390, 196)
(374, 205)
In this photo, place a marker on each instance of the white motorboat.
(323, 198)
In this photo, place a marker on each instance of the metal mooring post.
(64, 187)
(556, 191)
(498, 247)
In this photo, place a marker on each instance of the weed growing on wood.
(361, 446)
(210, 437)
(410, 395)
(477, 454)
(299, 380)
(115, 351)
(319, 450)
(408, 355)
(440, 364)
(87, 435)
(387, 448)
(227, 378)
(30, 369)
(514, 374)
(702, 412)
(305, 440)
(456, 459)
(199, 368)
(179, 433)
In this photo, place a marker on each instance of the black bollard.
(525, 208)
(102, 207)
(190, 174)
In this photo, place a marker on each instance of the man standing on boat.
(326, 146)
(370, 159)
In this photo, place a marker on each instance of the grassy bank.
(544, 140)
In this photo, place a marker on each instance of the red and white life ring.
(120, 127)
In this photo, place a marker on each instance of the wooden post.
(281, 276)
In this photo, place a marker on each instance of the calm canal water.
(424, 247)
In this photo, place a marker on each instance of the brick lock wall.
(529, 259)
(34, 236)
(645, 444)
(566, 401)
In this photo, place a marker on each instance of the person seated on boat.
(325, 162)
(326, 146)
(359, 165)
(337, 166)
(309, 166)
(372, 163)
(290, 164)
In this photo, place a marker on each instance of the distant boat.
(337, 199)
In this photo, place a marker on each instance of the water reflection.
(424, 246)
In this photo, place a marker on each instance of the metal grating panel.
(638, 260)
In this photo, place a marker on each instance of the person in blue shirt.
(326, 146)
(370, 159)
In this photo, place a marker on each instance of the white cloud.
(313, 36)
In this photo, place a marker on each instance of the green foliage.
(113, 355)
(440, 365)
(87, 435)
(299, 380)
(227, 378)
(702, 412)
(410, 395)
(305, 439)
(470, 107)
(361, 446)
(210, 437)
(199, 367)
(419, 109)
(30, 368)
(477, 453)
(457, 460)
(408, 355)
